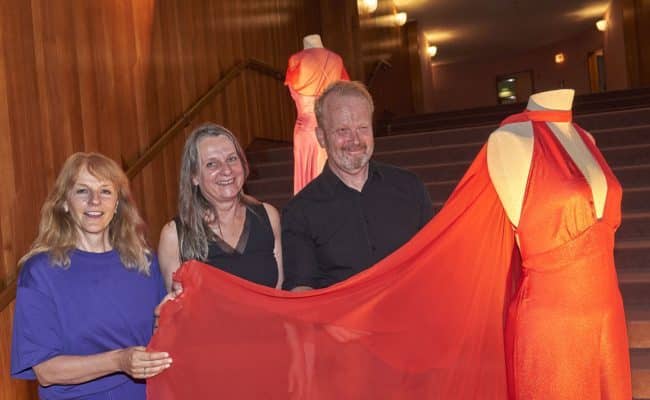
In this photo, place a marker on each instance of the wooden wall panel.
(341, 34)
(111, 76)
(381, 39)
(14, 389)
(636, 27)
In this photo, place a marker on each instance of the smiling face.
(91, 203)
(347, 134)
(220, 174)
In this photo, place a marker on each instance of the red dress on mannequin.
(426, 322)
(566, 328)
(309, 73)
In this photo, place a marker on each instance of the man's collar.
(333, 182)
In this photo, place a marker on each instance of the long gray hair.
(193, 207)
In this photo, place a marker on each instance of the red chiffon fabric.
(426, 322)
(309, 73)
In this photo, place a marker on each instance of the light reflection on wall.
(590, 12)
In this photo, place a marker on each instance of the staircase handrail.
(381, 64)
(187, 116)
(8, 293)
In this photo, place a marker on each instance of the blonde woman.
(87, 290)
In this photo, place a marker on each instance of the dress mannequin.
(309, 73)
(510, 151)
(312, 41)
(565, 333)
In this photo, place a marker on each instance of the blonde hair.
(341, 88)
(57, 232)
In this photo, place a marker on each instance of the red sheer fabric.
(426, 322)
(309, 73)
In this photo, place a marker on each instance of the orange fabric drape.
(425, 322)
(309, 73)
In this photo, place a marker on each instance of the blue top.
(95, 305)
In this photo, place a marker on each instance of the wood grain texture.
(381, 39)
(110, 77)
(636, 28)
(11, 389)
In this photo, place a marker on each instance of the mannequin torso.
(510, 152)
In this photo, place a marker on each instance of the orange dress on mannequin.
(309, 73)
(566, 331)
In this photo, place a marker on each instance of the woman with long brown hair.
(217, 223)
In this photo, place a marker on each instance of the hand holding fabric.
(140, 364)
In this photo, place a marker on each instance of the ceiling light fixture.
(400, 18)
(432, 51)
(601, 25)
(366, 6)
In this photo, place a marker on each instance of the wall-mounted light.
(559, 58)
(366, 6)
(400, 18)
(601, 25)
(432, 51)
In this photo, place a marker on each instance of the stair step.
(617, 156)
(640, 363)
(638, 326)
(636, 198)
(633, 175)
(604, 138)
(635, 286)
(634, 254)
(614, 119)
(582, 104)
(634, 225)
(626, 135)
(612, 116)
(628, 176)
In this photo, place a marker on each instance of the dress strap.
(546, 116)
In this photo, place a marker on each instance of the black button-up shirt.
(331, 231)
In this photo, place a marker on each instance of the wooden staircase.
(439, 148)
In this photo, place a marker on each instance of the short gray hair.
(342, 88)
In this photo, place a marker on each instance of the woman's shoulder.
(271, 211)
(35, 270)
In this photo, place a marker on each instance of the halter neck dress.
(566, 333)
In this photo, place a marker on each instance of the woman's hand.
(141, 364)
(176, 290)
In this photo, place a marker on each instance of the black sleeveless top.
(253, 257)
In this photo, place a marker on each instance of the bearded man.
(357, 211)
